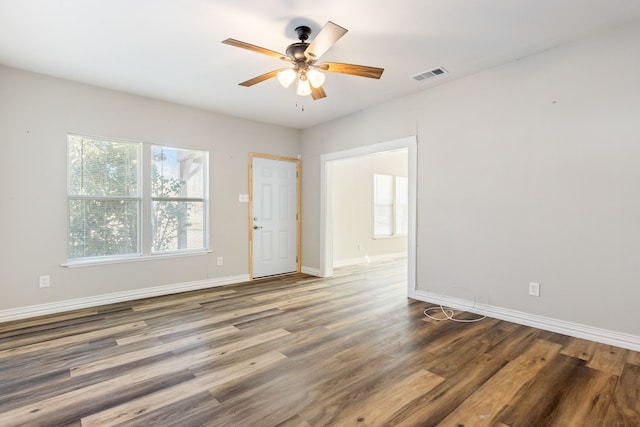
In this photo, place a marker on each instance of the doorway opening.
(329, 255)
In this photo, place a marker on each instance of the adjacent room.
(284, 213)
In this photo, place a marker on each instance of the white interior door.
(274, 222)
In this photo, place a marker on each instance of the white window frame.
(144, 198)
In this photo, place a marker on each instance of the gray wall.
(37, 112)
(526, 172)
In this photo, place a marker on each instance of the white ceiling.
(171, 50)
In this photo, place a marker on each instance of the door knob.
(255, 227)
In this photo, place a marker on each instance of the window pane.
(102, 227)
(178, 225)
(382, 215)
(382, 205)
(177, 172)
(104, 205)
(102, 168)
(383, 189)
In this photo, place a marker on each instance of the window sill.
(136, 258)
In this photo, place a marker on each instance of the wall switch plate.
(219, 260)
(534, 289)
(44, 282)
(243, 198)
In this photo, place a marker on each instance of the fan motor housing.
(295, 51)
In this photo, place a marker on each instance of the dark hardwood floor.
(301, 351)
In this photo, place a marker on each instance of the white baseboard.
(310, 271)
(94, 301)
(350, 261)
(367, 259)
(591, 333)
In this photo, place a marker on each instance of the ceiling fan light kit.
(305, 78)
(304, 88)
(303, 57)
(286, 77)
(315, 77)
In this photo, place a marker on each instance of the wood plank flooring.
(301, 351)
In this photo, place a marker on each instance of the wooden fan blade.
(318, 93)
(327, 37)
(261, 78)
(354, 70)
(257, 49)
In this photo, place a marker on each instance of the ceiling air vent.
(428, 74)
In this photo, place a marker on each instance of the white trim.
(87, 302)
(310, 271)
(591, 333)
(367, 259)
(88, 262)
(351, 261)
(326, 222)
(391, 236)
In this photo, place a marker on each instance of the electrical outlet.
(534, 289)
(219, 261)
(44, 282)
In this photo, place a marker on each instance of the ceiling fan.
(303, 56)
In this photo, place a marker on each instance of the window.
(110, 216)
(104, 197)
(178, 199)
(390, 205)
